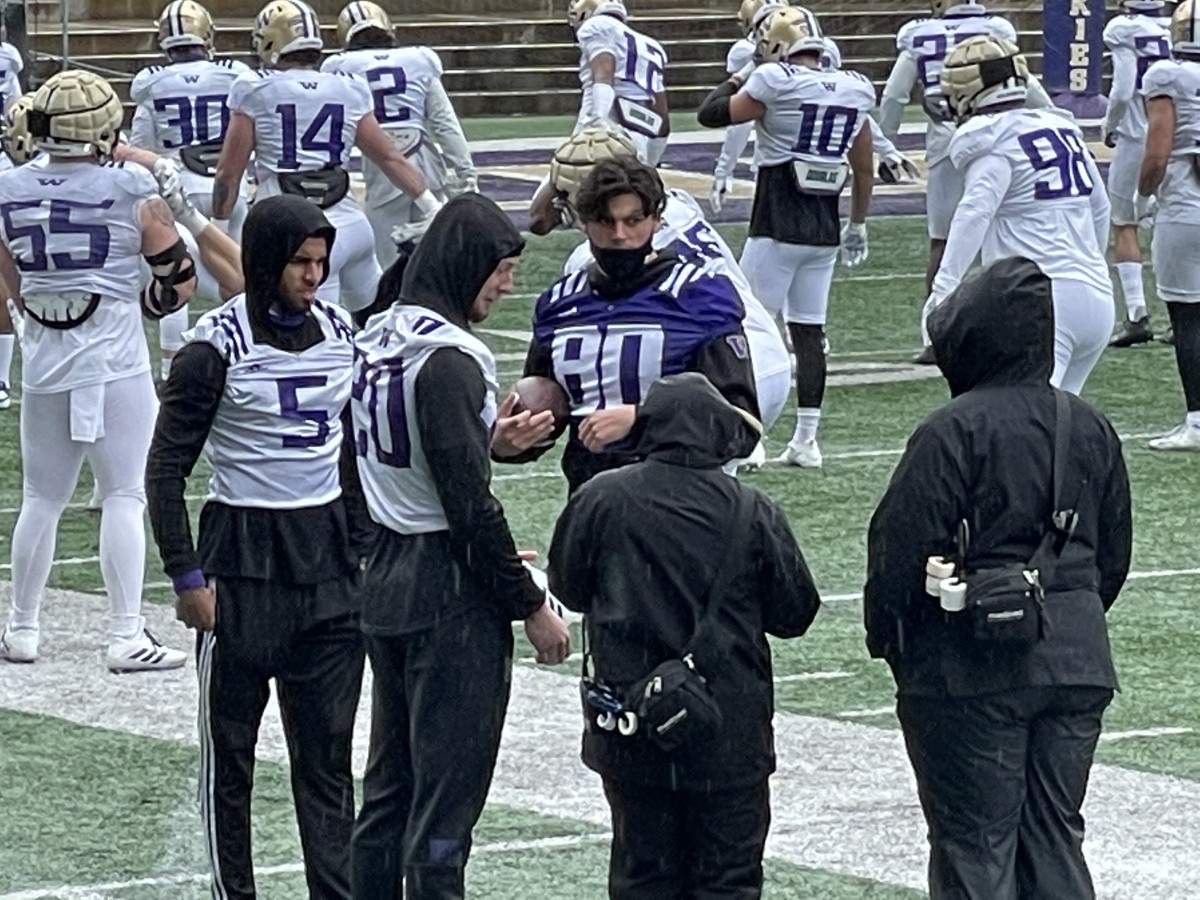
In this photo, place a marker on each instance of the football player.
(923, 45)
(607, 333)
(1171, 171)
(684, 230)
(622, 75)
(11, 66)
(1032, 190)
(1137, 40)
(812, 138)
(74, 233)
(17, 150)
(412, 107)
(300, 124)
(181, 114)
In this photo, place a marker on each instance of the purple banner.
(1074, 51)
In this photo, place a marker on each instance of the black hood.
(274, 231)
(996, 329)
(686, 422)
(467, 239)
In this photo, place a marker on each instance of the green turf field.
(100, 807)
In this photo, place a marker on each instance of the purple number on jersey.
(1150, 49)
(1063, 153)
(382, 93)
(59, 222)
(386, 377)
(654, 63)
(332, 115)
(834, 119)
(289, 408)
(193, 118)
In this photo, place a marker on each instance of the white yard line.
(88, 891)
(811, 676)
(1110, 736)
(843, 798)
(867, 713)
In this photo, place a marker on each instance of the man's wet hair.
(614, 177)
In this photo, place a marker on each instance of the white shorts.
(1083, 317)
(1123, 178)
(1176, 253)
(943, 192)
(790, 278)
(353, 269)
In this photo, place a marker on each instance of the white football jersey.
(399, 80)
(1046, 213)
(927, 42)
(741, 53)
(638, 61)
(389, 354)
(1179, 194)
(63, 244)
(1136, 42)
(812, 114)
(182, 104)
(277, 435)
(10, 67)
(685, 230)
(303, 119)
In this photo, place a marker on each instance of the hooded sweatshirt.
(986, 457)
(305, 545)
(637, 550)
(447, 549)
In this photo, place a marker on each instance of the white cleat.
(1185, 437)
(143, 654)
(806, 455)
(5, 396)
(19, 645)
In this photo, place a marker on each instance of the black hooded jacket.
(637, 549)
(986, 456)
(425, 579)
(300, 546)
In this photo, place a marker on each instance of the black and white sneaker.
(143, 653)
(5, 396)
(1129, 333)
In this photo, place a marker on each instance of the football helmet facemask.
(579, 11)
(359, 16)
(1185, 28)
(18, 143)
(285, 26)
(574, 159)
(786, 32)
(981, 72)
(75, 113)
(185, 23)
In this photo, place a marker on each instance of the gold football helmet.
(575, 157)
(941, 7)
(1185, 28)
(74, 113)
(360, 15)
(788, 31)
(579, 11)
(285, 26)
(18, 143)
(984, 71)
(185, 23)
(752, 13)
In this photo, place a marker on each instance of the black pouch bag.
(201, 158)
(673, 704)
(1004, 605)
(323, 187)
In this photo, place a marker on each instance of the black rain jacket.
(636, 550)
(986, 456)
(418, 581)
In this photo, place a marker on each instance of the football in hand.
(537, 393)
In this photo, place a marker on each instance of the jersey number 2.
(331, 116)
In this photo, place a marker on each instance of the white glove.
(716, 194)
(17, 315)
(1108, 134)
(166, 173)
(1145, 209)
(743, 74)
(896, 163)
(854, 244)
(454, 184)
(412, 232)
(185, 211)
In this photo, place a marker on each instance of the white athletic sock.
(7, 343)
(1130, 275)
(33, 544)
(807, 420)
(123, 563)
(166, 367)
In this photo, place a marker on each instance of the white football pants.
(1083, 319)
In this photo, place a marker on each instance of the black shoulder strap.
(1063, 515)
(708, 640)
